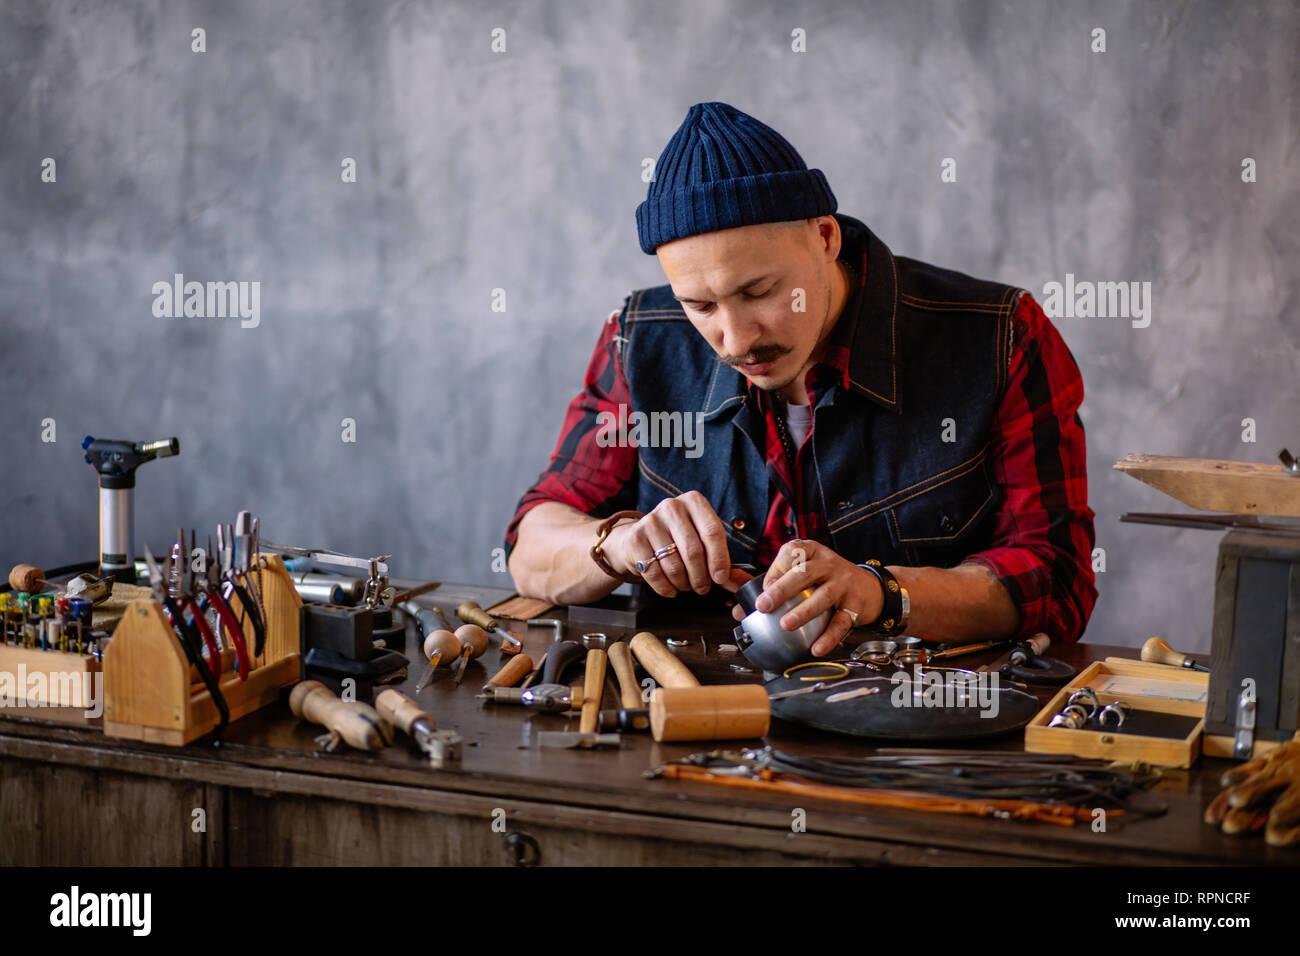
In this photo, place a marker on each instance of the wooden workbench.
(267, 795)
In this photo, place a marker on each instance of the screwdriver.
(439, 646)
(473, 642)
(471, 613)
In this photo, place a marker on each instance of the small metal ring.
(853, 616)
(1076, 709)
(1086, 697)
(1118, 710)
(665, 551)
(877, 652)
(844, 670)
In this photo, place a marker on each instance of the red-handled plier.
(210, 587)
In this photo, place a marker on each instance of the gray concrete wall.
(520, 171)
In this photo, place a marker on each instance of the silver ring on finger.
(643, 566)
(665, 551)
(853, 617)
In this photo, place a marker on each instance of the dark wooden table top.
(501, 759)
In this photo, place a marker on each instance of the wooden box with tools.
(1163, 724)
(152, 693)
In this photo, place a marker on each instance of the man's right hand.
(701, 559)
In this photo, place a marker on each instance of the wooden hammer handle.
(620, 658)
(660, 663)
(593, 686)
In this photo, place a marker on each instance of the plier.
(209, 595)
(233, 565)
(185, 601)
(188, 637)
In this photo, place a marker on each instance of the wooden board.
(1162, 751)
(55, 679)
(1237, 487)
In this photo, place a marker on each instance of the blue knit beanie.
(724, 169)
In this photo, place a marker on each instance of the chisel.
(473, 642)
(440, 646)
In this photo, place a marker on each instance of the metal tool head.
(549, 698)
(157, 580)
(243, 541)
(212, 570)
(225, 549)
(183, 571)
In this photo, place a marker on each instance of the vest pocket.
(933, 523)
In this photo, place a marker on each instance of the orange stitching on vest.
(881, 504)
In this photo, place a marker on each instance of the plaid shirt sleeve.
(597, 480)
(1043, 532)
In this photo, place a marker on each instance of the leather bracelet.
(602, 533)
(896, 603)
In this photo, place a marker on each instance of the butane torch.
(116, 462)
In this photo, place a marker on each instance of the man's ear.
(829, 238)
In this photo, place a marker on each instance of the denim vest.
(895, 479)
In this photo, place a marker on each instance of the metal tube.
(117, 534)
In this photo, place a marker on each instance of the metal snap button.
(738, 524)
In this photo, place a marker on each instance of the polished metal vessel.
(762, 639)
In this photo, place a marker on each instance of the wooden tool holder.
(153, 693)
(48, 680)
(1171, 691)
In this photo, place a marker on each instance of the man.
(900, 440)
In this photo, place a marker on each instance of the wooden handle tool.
(593, 686)
(473, 642)
(1157, 651)
(660, 663)
(512, 673)
(471, 613)
(620, 658)
(402, 712)
(441, 746)
(26, 577)
(355, 723)
(440, 647)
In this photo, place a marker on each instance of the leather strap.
(602, 533)
(892, 619)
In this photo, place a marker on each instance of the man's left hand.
(837, 585)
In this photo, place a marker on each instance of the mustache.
(757, 355)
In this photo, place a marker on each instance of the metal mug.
(762, 639)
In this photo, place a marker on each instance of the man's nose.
(739, 335)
